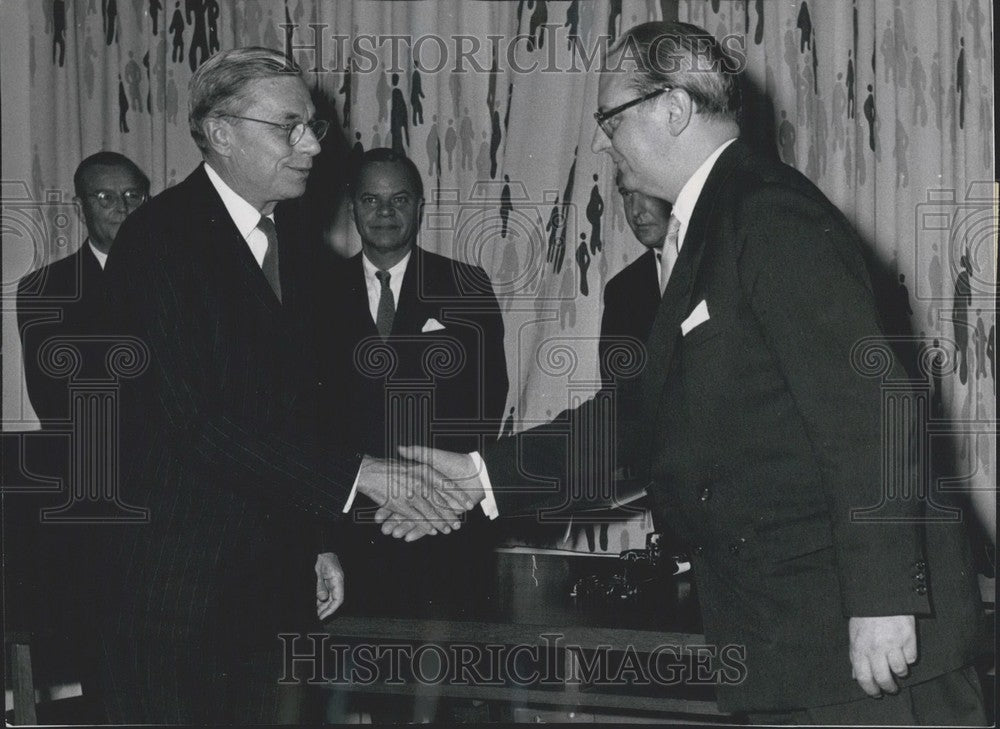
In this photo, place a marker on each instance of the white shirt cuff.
(354, 492)
(489, 504)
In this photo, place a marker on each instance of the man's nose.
(308, 144)
(600, 143)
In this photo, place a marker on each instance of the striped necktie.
(270, 263)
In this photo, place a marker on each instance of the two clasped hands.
(424, 492)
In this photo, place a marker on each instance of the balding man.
(817, 560)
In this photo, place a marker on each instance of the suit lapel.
(357, 298)
(221, 232)
(410, 308)
(676, 302)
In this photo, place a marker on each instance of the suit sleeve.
(154, 300)
(559, 467)
(495, 379)
(35, 328)
(804, 277)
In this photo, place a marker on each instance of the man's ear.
(218, 133)
(680, 107)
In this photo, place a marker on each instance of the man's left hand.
(882, 647)
(329, 585)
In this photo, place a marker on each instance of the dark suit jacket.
(760, 436)
(222, 446)
(59, 302)
(631, 299)
(460, 374)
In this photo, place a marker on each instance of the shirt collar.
(689, 194)
(395, 273)
(102, 258)
(245, 215)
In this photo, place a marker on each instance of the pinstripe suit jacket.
(219, 439)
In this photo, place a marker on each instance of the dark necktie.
(270, 263)
(386, 305)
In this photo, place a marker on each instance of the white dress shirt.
(244, 215)
(102, 258)
(374, 286)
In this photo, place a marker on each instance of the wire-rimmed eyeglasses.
(295, 130)
(604, 117)
(107, 198)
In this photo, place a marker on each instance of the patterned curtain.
(887, 106)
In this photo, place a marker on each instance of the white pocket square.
(698, 316)
(432, 325)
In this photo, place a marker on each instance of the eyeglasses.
(604, 117)
(295, 130)
(107, 199)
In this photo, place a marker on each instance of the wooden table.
(538, 617)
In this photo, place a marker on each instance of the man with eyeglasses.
(62, 299)
(826, 561)
(221, 435)
(59, 307)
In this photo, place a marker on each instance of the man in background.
(61, 301)
(59, 307)
(632, 296)
(419, 360)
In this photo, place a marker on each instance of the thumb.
(321, 592)
(421, 454)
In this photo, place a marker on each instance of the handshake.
(424, 492)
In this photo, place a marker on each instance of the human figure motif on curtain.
(383, 93)
(536, 25)
(59, 31)
(122, 107)
(133, 77)
(494, 140)
(155, 6)
(583, 259)
(398, 123)
(483, 158)
(212, 12)
(572, 23)
(850, 84)
(109, 17)
(960, 83)
(345, 91)
(433, 149)
(149, 83)
(595, 211)
(450, 143)
(466, 136)
(176, 30)
(416, 95)
(505, 206)
(171, 97)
